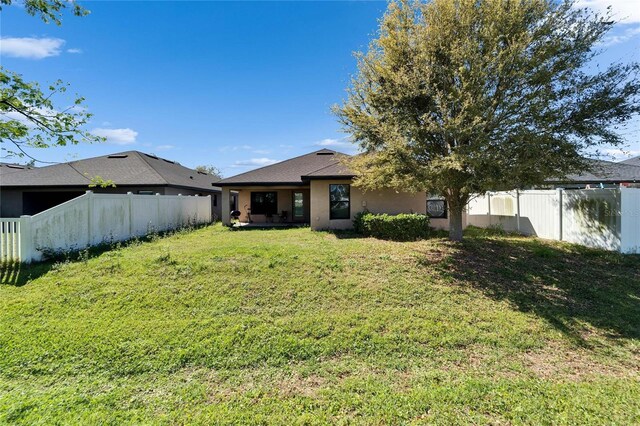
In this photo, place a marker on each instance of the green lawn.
(301, 327)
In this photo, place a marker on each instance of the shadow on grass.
(572, 287)
(345, 234)
(18, 274)
(268, 227)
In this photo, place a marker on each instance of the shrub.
(401, 227)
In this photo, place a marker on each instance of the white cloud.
(617, 39)
(30, 47)
(261, 151)
(233, 148)
(15, 115)
(165, 147)
(343, 145)
(117, 136)
(625, 11)
(332, 142)
(74, 50)
(617, 154)
(260, 162)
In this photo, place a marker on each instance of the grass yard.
(301, 327)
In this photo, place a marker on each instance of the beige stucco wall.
(382, 201)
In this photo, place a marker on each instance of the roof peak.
(286, 172)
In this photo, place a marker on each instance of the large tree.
(29, 115)
(210, 170)
(456, 97)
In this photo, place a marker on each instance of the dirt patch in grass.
(557, 362)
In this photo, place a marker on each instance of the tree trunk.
(457, 201)
(455, 221)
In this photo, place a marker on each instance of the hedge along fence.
(400, 227)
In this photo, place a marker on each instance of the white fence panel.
(92, 219)
(63, 227)
(109, 218)
(629, 220)
(591, 217)
(145, 212)
(601, 218)
(9, 240)
(539, 214)
(497, 209)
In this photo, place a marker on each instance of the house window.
(339, 202)
(215, 200)
(298, 204)
(141, 192)
(264, 203)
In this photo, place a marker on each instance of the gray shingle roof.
(12, 168)
(606, 172)
(337, 169)
(635, 161)
(288, 172)
(130, 168)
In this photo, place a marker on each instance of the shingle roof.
(337, 169)
(125, 168)
(12, 168)
(288, 172)
(606, 172)
(635, 161)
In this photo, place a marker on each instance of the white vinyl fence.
(602, 218)
(92, 219)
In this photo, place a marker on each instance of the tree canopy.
(210, 170)
(28, 116)
(456, 97)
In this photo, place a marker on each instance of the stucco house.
(316, 189)
(27, 191)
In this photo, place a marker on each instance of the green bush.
(401, 227)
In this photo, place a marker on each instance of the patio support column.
(226, 205)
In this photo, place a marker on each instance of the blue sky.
(235, 85)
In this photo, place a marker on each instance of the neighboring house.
(635, 161)
(315, 188)
(27, 191)
(12, 167)
(604, 174)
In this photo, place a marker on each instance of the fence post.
(159, 210)
(26, 239)
(130, 197)
(560, 208)
(518, 211)
(89, 195)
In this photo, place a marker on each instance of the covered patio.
(281, 193)
(270, 205)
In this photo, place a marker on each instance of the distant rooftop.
(607, 172)
(13, 167)
(635, 161)
(124, 169)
